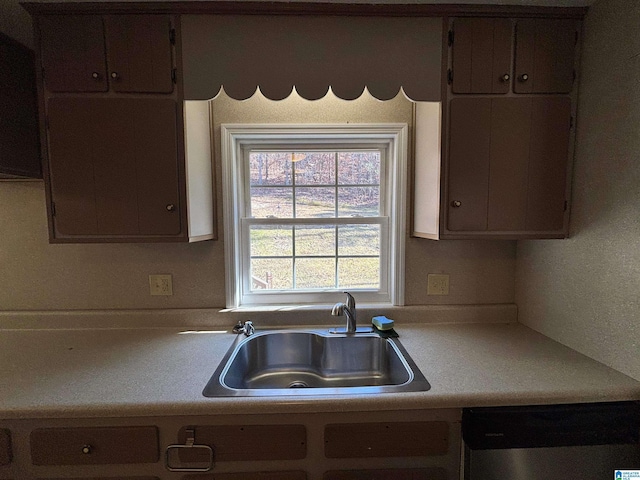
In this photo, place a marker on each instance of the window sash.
(268, 296)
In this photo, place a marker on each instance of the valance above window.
(276, 53)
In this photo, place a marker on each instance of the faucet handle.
(351, 302)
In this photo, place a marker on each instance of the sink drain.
(298, 384)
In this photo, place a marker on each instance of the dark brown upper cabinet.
(545, 52)
(481, 55)
(113, 167)
(490, 55)
(124, 158)
(507, 171)
(93, 53)
(19, 136)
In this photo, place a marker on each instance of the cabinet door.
(73, 55)
(508, 163)
(545, 50)
(153, 123)
(113, 166)
(549, 154)
(482, 55)
(469, 156)
(139, 51)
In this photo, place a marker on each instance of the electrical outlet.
(160, 285)
(437, 284)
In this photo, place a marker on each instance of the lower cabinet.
(415, 445)
(389, 474)
(5, 447)
(94, 446)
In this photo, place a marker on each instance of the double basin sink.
(314, 362)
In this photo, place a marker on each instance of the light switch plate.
(437, 284)
(160, 285)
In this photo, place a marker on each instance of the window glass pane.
(316, 240)
(271, 273)
(271, 241)
(359, 272)
(315, 202)
(359, 168)
(315, 273)
(315, 168)
(358, 201)
(271, 202)
(359, 240)
(270, 168)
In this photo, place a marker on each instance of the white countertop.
(162, 371)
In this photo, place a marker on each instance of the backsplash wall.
(40, 276)
(584, 291)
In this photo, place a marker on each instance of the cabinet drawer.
(264, 442)
(250, 476)
(94, 446)
(105, 478)
(395, 439)
(434, 473)
(5, 447)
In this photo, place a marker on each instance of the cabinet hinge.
(53, 209)
(449, 76)
(174, 75)
(450, 37)
(172, 36)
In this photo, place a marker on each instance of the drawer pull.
(86, 449)
(172, 456)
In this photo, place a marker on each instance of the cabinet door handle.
(505, 78)
(95, 76)
(523, 78)
(86, 449)
(456, 204)
(115, 75)
(171, 207)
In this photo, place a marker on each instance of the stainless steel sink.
(314, 362)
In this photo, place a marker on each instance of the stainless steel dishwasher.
(581, 441)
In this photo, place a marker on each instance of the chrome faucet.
(347, 309)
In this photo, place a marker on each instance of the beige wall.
(16, 22)
(585, 291)
(38, 276)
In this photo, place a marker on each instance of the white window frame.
(238, 138)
